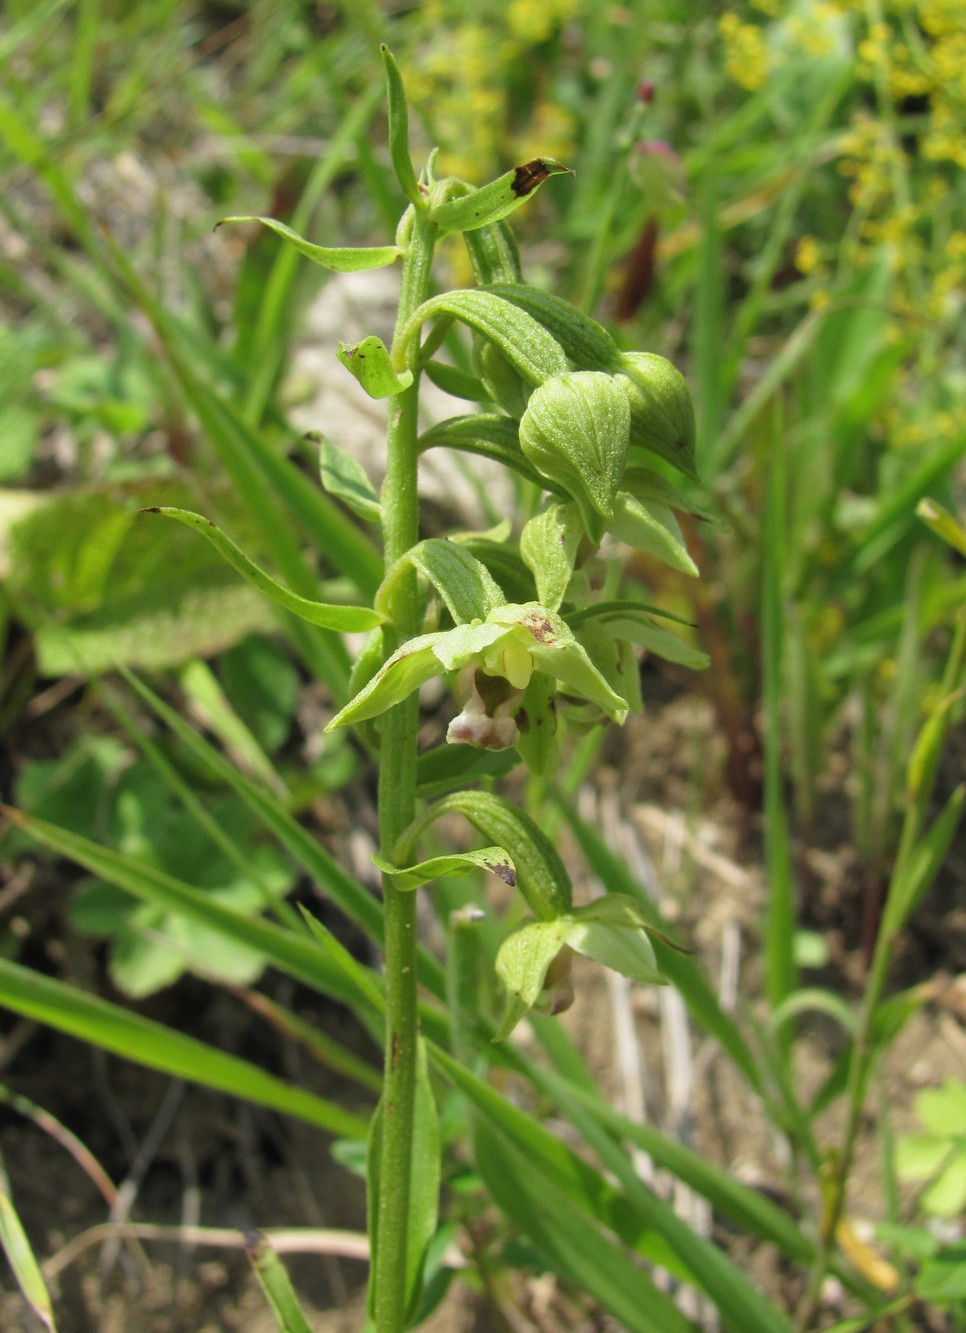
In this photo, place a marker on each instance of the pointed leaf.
(145, 1042)
(522, 964)
(497, 200)
(21, 1257)
(541, 874)
(347, 619)
(610, 930)
(466, 586)
(653, 528)
(492, 859)
(340, 259)
(548, 544)
(399, 129)
(633, 624)
(369, 362)
(346, 479)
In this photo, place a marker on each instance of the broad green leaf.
(340, 259)
(141, 1040)
(493, 202)
(527, 345)
(494, 860)
(79, 565)
(277, 1286)
(369, 362)
(611, 930)
(548, 544)
(662, 415)
(575, 432)
(541, 874)
(942, 1278)
(21, 1257)
(346, 479)
(466, 586)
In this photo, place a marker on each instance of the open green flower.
(496, 658)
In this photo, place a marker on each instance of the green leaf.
(525, 343)
(411, 665)
(628, 623)
(424, 1175)
(611, 930)
(522, 963)
(21, 1257)
(493, 202)
(941, 522)
(651, 527)
(573, 1246)
(493, 254)
(369, 362)
(492, 859)
(455, 382)
(345, 479)
(575, 432)
(346, 619)
(155, 1046)
(466, 586)
(340, 259)
(548, 544)
(457, 766)
(942, 1279)
(662, 414)
(399, 129)
(537, 723)
(586, 343)
(490, 435)
(541, 874)
(275, 1283)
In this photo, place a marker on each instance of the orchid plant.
(527, 626)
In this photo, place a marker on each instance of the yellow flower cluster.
(460, 80)
(899, 154)
(746, 56)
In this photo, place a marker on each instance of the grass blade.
(18, 1250)
(145, 1042)
(275, 1283)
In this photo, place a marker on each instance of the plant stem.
(397, 808)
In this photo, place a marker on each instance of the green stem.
(397, 809)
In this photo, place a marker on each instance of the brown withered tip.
(503, 871)
(150, 509)
(529, 176)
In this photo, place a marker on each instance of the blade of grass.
(145, 1042)
(18, 1250)
(276, 1285)
(331, 969)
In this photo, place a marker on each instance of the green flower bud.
(662, 415)
(575, 432)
